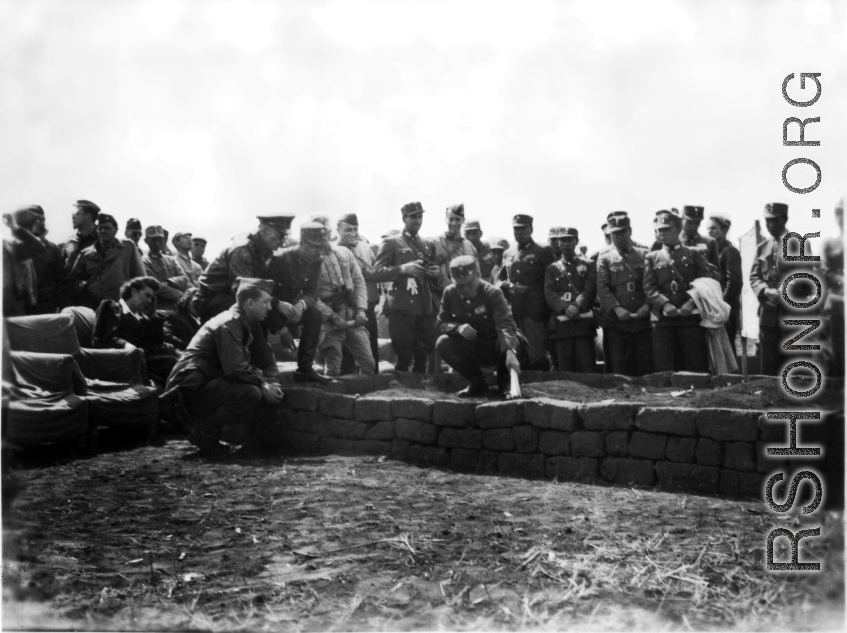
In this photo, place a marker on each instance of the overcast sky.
(200, 115)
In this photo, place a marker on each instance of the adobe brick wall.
(697, 450)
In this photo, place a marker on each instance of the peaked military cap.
(87, 205)
(411, 208)
(692, 213)
(666, 219)
(776, 210)
(522, 220)
(103, 218)
(178, 235)
(245, 283)
(349, 218)
(133, 224)
(154, 231)
(618, 223)
(472, 225)
(457, 209)
(282, 222)
(198, 238)
(564, 231)
(498, 244)
(721, 219)
(314, 233)
(616, 214)
(462, 269)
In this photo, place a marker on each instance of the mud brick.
(464, 459)
(687, 379)
(564, 415)
(380, 431)
(415, 430)
(658, 379)
(617, 443)
(434, 455)
(487, 461)
(725, 380)
(338, 405)
(400, 448)
(738, 484)
(688, 477)
(450, 413)
(675, 421)
(608, 417)
(304, 422)
(302, 398)
(587, 444)
(413, 408)
(731, 425)
(777, 431)
(681, 449)
(332, 387)
(768, 464)
(536, 412)
(357, 383)
(383, 381)
(526, 439)
(460, 438)
(647, 445)
(373, 408)
(498, 440)
(740, 456)
(493, 415)
(709, 452)
(554, 443)
(628, 471)
(297, 442)
(348, 429)
(373, 447)
(339, 446)
(522, 464)
(573, 468)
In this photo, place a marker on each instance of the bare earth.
(156, 538)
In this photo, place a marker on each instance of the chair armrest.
(112, 365)
(53, 373)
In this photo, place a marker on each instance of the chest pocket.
(620, 275)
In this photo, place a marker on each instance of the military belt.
(629, 286)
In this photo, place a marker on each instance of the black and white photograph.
(423, 315)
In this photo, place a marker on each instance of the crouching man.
(475, 328)
(221, 387)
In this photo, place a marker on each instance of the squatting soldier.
(408, 261)
(731, 277)
(625, 317)
(473, 233)
(766, 276)
(522, 282)
(475, 328)
(679, 343)
(691, 238)
(451, 244)
(570, 287)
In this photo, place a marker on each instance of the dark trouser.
(576, 354)
(629, 353)
(686, 343)
(467, 358)
(413, 338)
(773, 357)
(158, 367)
(348, 365)
(222, 403)
(731, 326)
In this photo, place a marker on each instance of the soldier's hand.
(643, 312)
(512, 361)
(466, 331)
(287, 340)
(572, 311)
(519, 288)
(622, 313)
(669, 310)
(272, 392)
(433, 271)
(687, 308)
(772, 296)
(361, 318)
(413, 269)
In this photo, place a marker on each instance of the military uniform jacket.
(568, 283)
(768, 271)
(486, 260)
(708, 245)
(244, 257)
(295, 277)
(394, 252)
(731, 277)
(365, 258)
(105, 270)
(448, 248)
(487, 312)
(668, 274)
(340, 280)
(620, 282)
(163, 268)
(74, 246)
(526, 264)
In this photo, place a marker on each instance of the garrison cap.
(666, 219)
(522, 220)
(616, 214)
(281, 222)
(314, 233)
(472, 225)
(692, 213)
(349, 218)
(776, 210)
(87, 205)
(462, 269)
(178, 235)
(457, 209)
(722, 219)
(411, 208)
(498, 243)
(245, 283)
(618, 223)
(154, 231)
(133, 224)
(103, 218)
(564, 231)
(198, 238)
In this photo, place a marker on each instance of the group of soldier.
(205, 327)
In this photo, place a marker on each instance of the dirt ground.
(155, 538)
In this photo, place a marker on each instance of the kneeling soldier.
(570, 287)
(679, 343)
(475, 328)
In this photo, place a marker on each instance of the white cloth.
(706, 293)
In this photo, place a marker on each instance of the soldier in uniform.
(679, 343)
(498, 247)
(475, 328)
(85, 235)
(553, 241)
(221, 382)
(182, 244)
(133, 232)
(731, 277)
(451, 244)
(570, 287)
(165, 269)
(690, 237)
(766, 275)
(409, 262)
(198, 249)
(625, 317)
(522, 282)
(473, 233)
